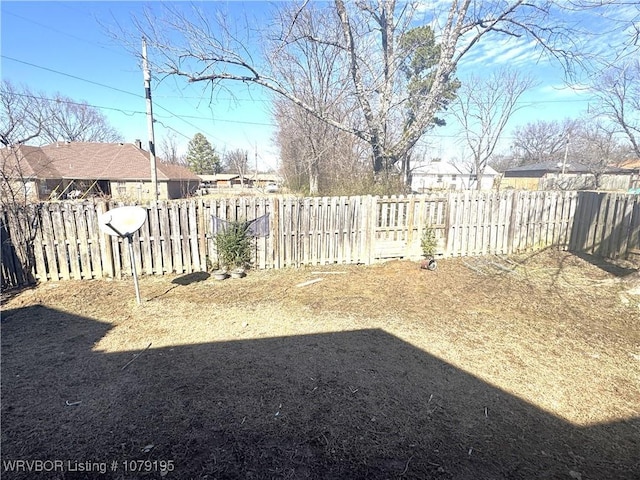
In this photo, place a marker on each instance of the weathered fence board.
(177, 237)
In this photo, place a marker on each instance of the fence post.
(410, 223)
(274, 254)
(104, 241)
(369, 222)
(447, 225)
(625, 243)
(513, 218)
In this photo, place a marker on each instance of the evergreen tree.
(201, 156)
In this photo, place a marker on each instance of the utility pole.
(566, 154)
(152, 143)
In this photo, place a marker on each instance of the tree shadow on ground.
(359, 404)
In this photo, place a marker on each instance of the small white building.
(440, 175)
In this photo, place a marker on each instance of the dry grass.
(526, 367)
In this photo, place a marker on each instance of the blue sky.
(58, 46)
(61, 47)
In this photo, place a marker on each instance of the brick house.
(81, 169)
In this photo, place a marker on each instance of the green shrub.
(428, 241)
(234, 245)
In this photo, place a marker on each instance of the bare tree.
(623, 17)
(483, 108)
(28, 118)
(71, 121)
(314, 71)
(22, 117)
(21, 121)
(19, 209)
(169, 152)
(543, 141)
(317, 158)
(597, 147)
(293, 167)
(502, 161)
(618, 91)
(206, 49)
(588, 141)
(237, 162)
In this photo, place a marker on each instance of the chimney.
(138, 143)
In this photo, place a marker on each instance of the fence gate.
(400, 223)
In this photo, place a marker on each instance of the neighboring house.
(634, 167)
(26, 172)
(80, 169)
(549, 176)
(264, 180)
(448, 176)
(221, 180)
(633, 164)
(232, 180)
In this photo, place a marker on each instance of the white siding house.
(449, 176)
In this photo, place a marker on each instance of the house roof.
(25, 161)
(265, 177)
(109, 161)
(218, 176)
(631, 163)
(445, 168)
(436, 168)
(556, 167)
(175, 172)
(550, 166)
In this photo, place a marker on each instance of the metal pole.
(152, 144)
(134, 271)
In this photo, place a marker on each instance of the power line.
(69, 75)
(129, 113)
(180, 117)
(173, 115)
(134, 112)
(98, 84)
(61, 32)
(184, 117)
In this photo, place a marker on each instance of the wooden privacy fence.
(177, 236)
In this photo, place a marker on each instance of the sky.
(64, 46)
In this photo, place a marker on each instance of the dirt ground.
(486, 368)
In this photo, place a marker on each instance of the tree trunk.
(405, 170)
(378, 159)
(314, 176)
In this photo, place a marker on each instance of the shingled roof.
(551, 166)
(556, 167)
(24, 161)
(109, 161)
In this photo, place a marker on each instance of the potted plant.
(234, 247)
(428, 243)
(238, 272)
(220, 273)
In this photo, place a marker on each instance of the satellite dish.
(122, 221)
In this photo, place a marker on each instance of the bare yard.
(487, 368)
